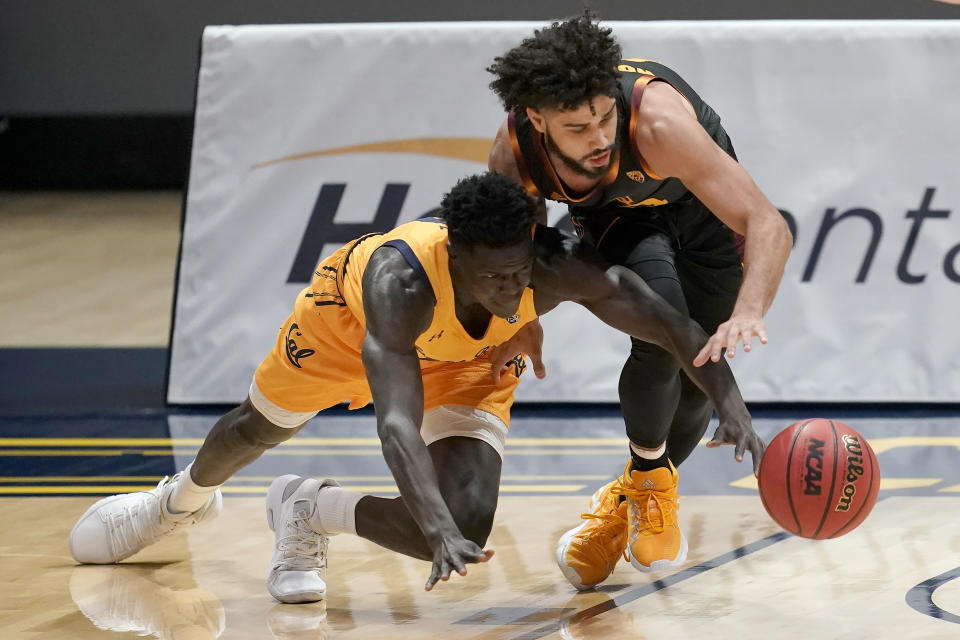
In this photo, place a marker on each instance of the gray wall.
(130, 57)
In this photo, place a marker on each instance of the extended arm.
(674, 144)
(628, 304)
(633, 307)
(399, 306)
(621, 299)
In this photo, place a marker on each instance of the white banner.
(307, 136)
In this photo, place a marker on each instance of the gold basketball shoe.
(588, 553)
(655, 540)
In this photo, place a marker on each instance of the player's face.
(495, 277)
(585, 138)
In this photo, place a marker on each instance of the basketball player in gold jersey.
(406, 319)
(652, 182)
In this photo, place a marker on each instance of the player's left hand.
(528, 340)
(453, 552)
(739, 328)
(743, 437)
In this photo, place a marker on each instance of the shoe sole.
(658, 565)
(300, 597)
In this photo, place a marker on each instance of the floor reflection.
(128, 598)
(298, 621)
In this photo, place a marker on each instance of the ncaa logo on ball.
(814, 467)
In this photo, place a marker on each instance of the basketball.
(819, 479)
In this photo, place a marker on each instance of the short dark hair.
(560, 67)
(488, 209)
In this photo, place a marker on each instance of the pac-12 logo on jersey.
(627, 201)
(514, 318)
(636, 176)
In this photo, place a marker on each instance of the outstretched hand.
(528, 340)
(452, 553)
(739, 328)
(743, 437)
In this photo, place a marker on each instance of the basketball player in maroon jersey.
(651, 180)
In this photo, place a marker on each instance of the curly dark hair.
(487, 209)
(560, 67)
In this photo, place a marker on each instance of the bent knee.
(475, 519)
(478, 529)
(654, 362)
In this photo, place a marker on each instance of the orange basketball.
(819, 479)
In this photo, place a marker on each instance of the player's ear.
(537, 120)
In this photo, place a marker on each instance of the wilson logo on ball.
(854, 471)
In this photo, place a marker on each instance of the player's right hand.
(742, 436)
(452, 553)
(739, 328)
(528, 340)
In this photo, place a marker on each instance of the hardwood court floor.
(87, 269)
(741, 581)
(893, 577)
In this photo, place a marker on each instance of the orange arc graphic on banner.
(469, 149)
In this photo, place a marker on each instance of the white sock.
(187, 496)
(336, 511)
(649, 454)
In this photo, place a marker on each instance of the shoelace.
(303, 549)
(611, 524)
(145, 522)
(128, 532)
(666, 507)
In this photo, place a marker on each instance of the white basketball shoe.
(299, 563)
(117, 527)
